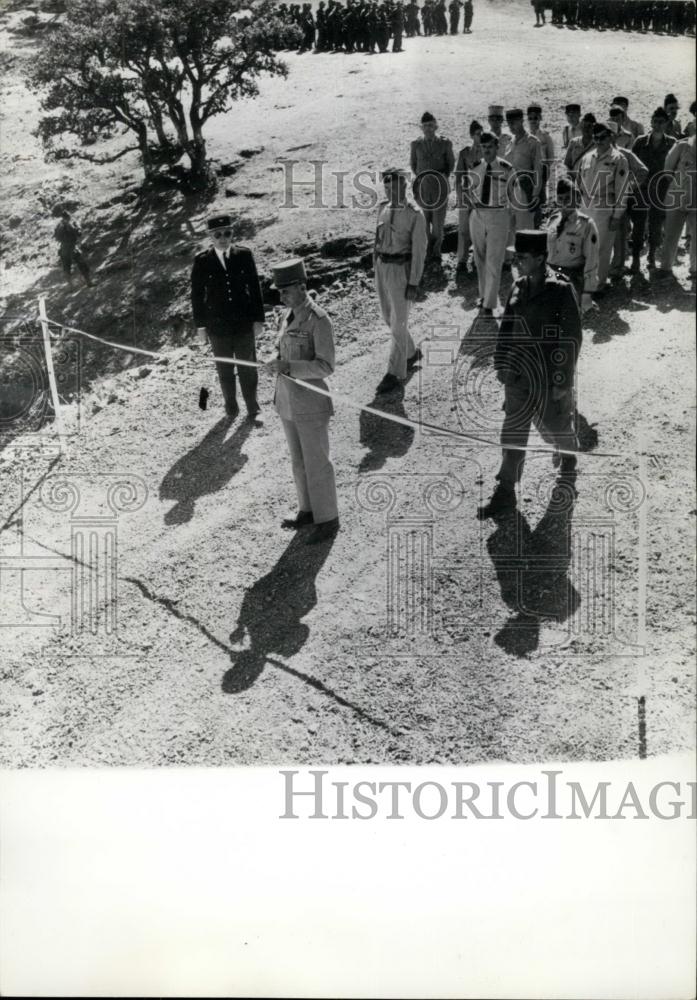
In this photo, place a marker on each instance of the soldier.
(454, 11)
(469, 14)
(637, 176)
(441, 20)
(681, 206)
(495, 119)
(604, 184)
(580, 145)
(399, 256)
(573, 126)
(537, 349)
(468, 157)
(572, 243)
(539, 8)
(652, 150)
(68, 235)
(626, 122)
(489, 219)
(412, 23)
(525, 156)
(397, 24)
(534, 115)
(427, 18)
(307, 23)
(228, 309)
(432, 161)
(623, 139)
(674, 129)
(305, 350)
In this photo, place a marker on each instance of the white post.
(51, 374)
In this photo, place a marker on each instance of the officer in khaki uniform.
(489, 219)
(604, 184)
(432, 161)
(524, 153)
(305, 348)
(572, 243)
(399, 256)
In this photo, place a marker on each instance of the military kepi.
(219, 222)
(290, 272)
(531, 241)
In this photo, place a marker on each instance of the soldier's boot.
(635, 267)
(502, 502)
(651, 259)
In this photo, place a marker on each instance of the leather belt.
(394, 258)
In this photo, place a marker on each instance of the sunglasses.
(222, 234)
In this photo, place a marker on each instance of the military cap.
(290, 272)
(532, 108)
(670, 99)
(609, 126)
(219, 222)
(392, 172)
(488, 137)
(529, 241)
(621, 100)
(427, 117)
(514, 113)
(589, 118)
(661, 113)
(573, 108)
(495, 110)
(616, 110)
(476, 127)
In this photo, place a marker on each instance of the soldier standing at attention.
(634, 127)
(604, 188)
(674, 129)
(580, 144)
(228, 309)
(432, 161)
(469, 14)
(399, 255)
(305, 349)
(468, 158)
(489, 219)
(572, 243)
(546, 142)
(495, 120)
(652, 150)
(454, 11)
(573, 126)
(524, 153)
(536, 353)
(681, 206)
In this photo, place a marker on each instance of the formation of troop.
(370, 25)
(663, 17)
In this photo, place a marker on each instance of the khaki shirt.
(547, 144)
(431, 158)
(570, 132)
(604, 180)
(403, 231)
(575, 152)
(501, 173)
(634, 127)
(467, 159)
(574, 246)
(306, 341)
(525, 154)
(680, 161)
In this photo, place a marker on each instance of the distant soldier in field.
(68, 235)
(469, 14)
(454, 11)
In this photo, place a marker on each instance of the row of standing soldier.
(673, 17)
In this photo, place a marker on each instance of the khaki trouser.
(676, 218)
(489, 231)
(308, 443)
(391, 281)
(554, 419)
(435, 227)
(606, 239)
(464, 240)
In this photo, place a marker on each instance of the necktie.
(486, 187)
(290, 318)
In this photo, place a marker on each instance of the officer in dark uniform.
(227, 306)
(536, 353)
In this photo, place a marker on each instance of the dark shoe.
(635, 267)
(415, 358)
(232, 411)
(302, 518)
(568, 464)
(253, 418)
(389, 382)
(486, 312)
(322, 532)
(662, 274)
(502, 501)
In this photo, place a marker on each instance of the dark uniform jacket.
(540, 335)
(224, 297)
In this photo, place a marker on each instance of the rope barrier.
(349, 401)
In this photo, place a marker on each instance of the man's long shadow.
(383, 438)
(532, 570)
(272, 611)
(205, 469)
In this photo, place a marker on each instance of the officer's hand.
(258, 329)
(277, 367)
(411, 292)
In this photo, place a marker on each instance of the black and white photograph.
(347, 380)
